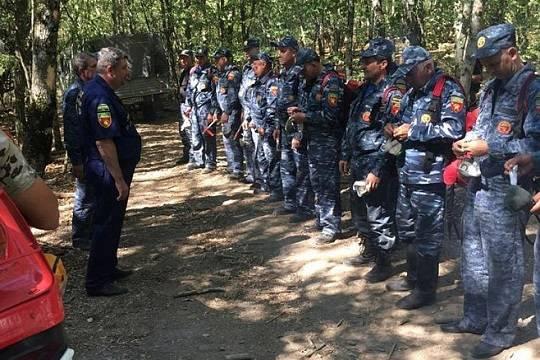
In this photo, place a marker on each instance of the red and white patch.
(366, 116)
(504, 127)
(456, 104)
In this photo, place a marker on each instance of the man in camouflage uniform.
(294, 169)
(318, 113)
(373, 212)
(185, 62)
(262, 97)
(84, 67)
(202, 104)
(430, 125)
(251, 48)
(229, 110)
(492, 263)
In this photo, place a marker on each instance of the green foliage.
(316, 23)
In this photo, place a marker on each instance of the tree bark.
(41, 109)
(22, 72)
(465, 44)
(168, 31)
(350, 39)
(414, 15)
(377, 24)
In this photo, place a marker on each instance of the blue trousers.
(267, 161)
(83, 210)
(203, 145)
(420, 217)
(233, 150)
(492, 263)
(184, 130)
(294, 169)
(373, 215)
(108, 220)
(324, 177)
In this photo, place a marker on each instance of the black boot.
(382, 270)
(366, 256)
(425, 290)
(407, 283)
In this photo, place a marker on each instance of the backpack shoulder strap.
(522, 96)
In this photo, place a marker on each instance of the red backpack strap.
(439, 86)
(327, 78)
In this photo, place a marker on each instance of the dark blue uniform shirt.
(104, 117)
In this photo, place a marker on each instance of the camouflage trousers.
(267, 161)
(492, 263)
(203, 145)
(294, 169)
(420, 217)
(231, 143)
(324, 177)
(373, 214)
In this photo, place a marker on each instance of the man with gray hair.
(111, 152)
(84, 68)
(432, 116)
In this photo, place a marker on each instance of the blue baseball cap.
(306, 55)
(287, 42)
(494, 39)
(412, 56)
(378, 47)
(263, 57)
(186, 52)
(223, 52)
(251, 43)
(202, 51)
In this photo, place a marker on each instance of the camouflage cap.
(186, 52)
(306, 55)
(223, 52)
(251, 43)
(263, 57)
(202, 51)
(412, 56)
(379, 47)
(287, 42)
(493, 39)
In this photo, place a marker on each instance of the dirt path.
(283, 297)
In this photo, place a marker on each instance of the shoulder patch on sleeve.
(456, 103)
(332, 99)
(104, 117)
(395, 105)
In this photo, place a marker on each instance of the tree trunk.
(168, 30)
(462, 27)
(41, 109)
(22, 73)
(465, 46)
(350, 39)
(243, 27)
(57, 135)
(414, 15)
(377, 23)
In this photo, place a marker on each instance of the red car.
(31, 308)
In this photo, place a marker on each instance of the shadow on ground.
(281, 297)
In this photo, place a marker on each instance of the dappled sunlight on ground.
(278, 295)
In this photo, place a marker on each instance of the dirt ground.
(282, 297)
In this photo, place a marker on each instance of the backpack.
(349, 94)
